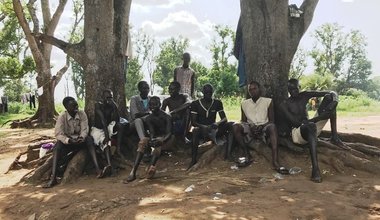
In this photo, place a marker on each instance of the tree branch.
(62, 71)
(73, 50)
(45, 8)
(56, 16)
(32, 12)
(298, 26)
(37, 55)
(308, 8)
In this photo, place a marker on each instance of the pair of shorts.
(296, 132)
(179, 127)
(248, 136)
(143, 144)
(98, 135)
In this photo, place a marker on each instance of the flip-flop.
(244, 164)
(282, 170)
(105, 172)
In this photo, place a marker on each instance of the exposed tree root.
(75, 165)
(360, 153)
(31, 123)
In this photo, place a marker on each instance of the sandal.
(244, 163)
(105, 172)
(282, 170)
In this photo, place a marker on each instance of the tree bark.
(270, 39)
(105, 40)
(41, 53)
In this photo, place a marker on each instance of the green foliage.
(75, 36)
(343, 55)
(168, 59)
(359, 70)
(14, 88)
(16, 111)
(358, 103)
(317, 82)
(202, 76)
(374, 88)
(134, 75)
(78, 79)
(11, 35)
(223, 74)
(355, 93)
(12, 45)
(330, 49)
(19, 108)
(232, 108)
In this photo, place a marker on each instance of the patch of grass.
(16, 111)
(349, 106)
(11, 117)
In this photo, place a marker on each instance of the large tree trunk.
(41, 53)
(270, 39)
(105, 40)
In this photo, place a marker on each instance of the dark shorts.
(179, 127)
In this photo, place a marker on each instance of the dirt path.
(219, 192)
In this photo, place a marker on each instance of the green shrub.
(358, 103)
(19, 108)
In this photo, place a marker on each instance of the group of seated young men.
(155, 126)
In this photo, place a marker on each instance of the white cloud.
(179, 23)
(184, 24)
(149, 5)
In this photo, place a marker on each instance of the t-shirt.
(206, 116)
(184, 76)
(137, 106)
(256, 112)
(67, 127)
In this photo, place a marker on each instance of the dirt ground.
(219, 192)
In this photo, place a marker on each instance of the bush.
(19, 108)
(358, 103)
(356, 93)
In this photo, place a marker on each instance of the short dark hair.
(107, 91)
(176, 84)
(186, 54)
(293, 81)
(140, 84)
(66, 100)
(253, 82)
(208, 85)
(155, 98)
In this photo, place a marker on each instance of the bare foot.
(129, 179)
(336, 141)
(151, 172)
(316, 177)
(191, 164)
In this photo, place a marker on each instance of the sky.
(195, 19)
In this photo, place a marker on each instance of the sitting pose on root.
(159, 125)
(203, 117)
(178, 105)
(257, 121)
(301, 129)
(107, 125)
(71, 130)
